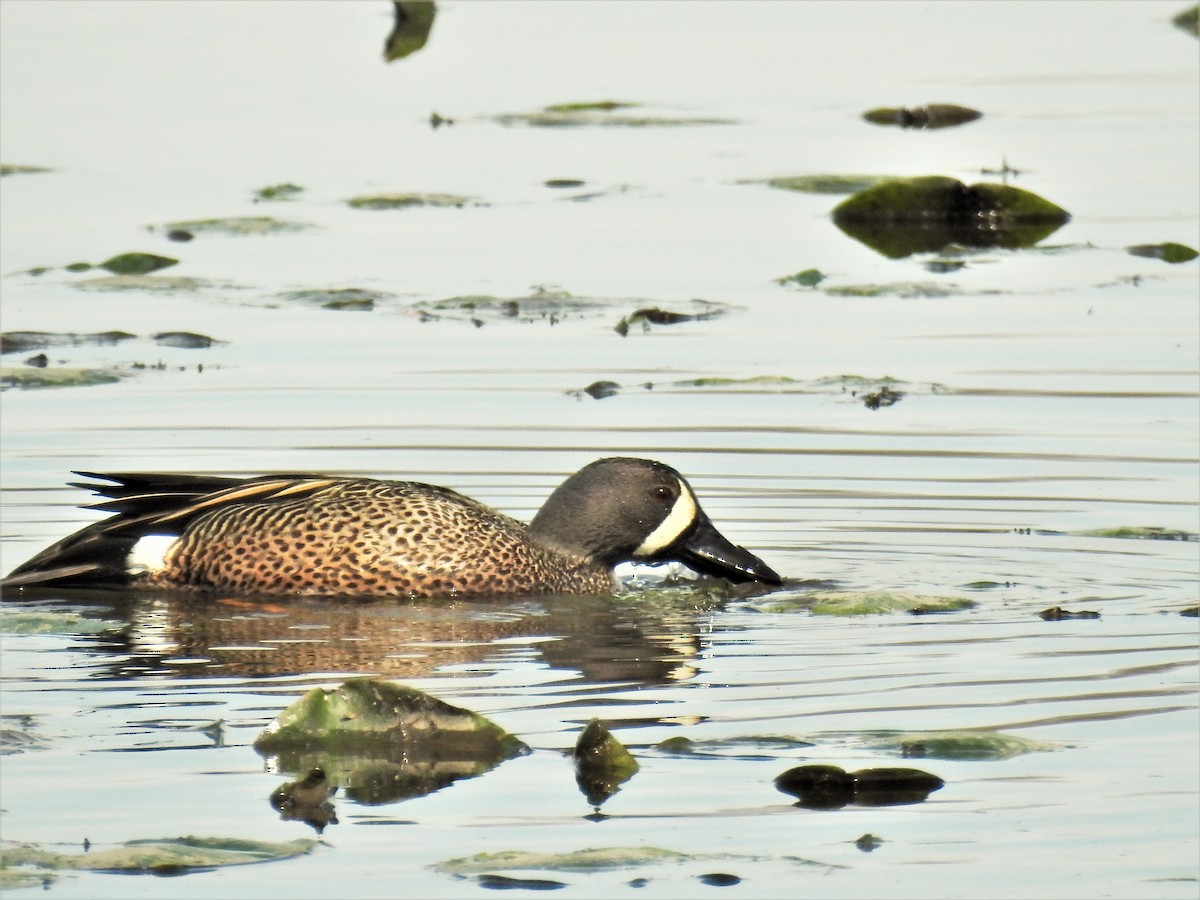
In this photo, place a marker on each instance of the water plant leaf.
(935, 115)
(831, 787)
(412, 20)
(903, 216)
(1169, 252)
(808, 278)
(137, 263)
(384, 741)
(862, 603)
(602, 764)
(282, 191)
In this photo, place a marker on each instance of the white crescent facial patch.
(678, 520)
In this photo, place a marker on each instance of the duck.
(333, 536)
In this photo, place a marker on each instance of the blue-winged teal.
(315, 535)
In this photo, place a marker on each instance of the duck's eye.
(663, 492)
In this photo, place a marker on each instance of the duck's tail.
(99, 555)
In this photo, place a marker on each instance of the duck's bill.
(708, 552)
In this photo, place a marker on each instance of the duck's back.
(368, 538)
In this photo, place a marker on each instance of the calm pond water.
(1050, 397)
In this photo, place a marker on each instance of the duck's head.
(624, 509)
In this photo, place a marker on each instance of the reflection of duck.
(324, 536)
(604, 639)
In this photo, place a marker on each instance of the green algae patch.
(964, 745)
(747, 747)
(604, 113)
(903, 216)
(808, 278)
(159, 284)
(935, 115)
(755, 381)
(412, 20)
(542, 304)
(383, 741)
(409, 201)
(14, 169)
(654, 315)
(345, 299)
(23, 341)
(1168, 252)
(55, 377)
(1141, 533)
(906, 290)
(235, 226)
(166, 856)
(593, 859)
(37, 621)
(820, 184)
(276, 192)
(862, 603)
(602, 764)
(368, 710)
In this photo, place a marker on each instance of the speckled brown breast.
(370, 539)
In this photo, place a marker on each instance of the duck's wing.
(143, 505)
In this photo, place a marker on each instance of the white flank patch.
(678, 520)
(149, 554)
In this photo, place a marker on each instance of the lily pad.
(935, 115)
(167, 856)
(1168, 252)
(602, 764)
(919, 215)
(412, 22)
(236, 226)
(137, 263)
(406, 201)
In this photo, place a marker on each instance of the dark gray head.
(623, 509)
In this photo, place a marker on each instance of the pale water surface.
(1050, 394)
